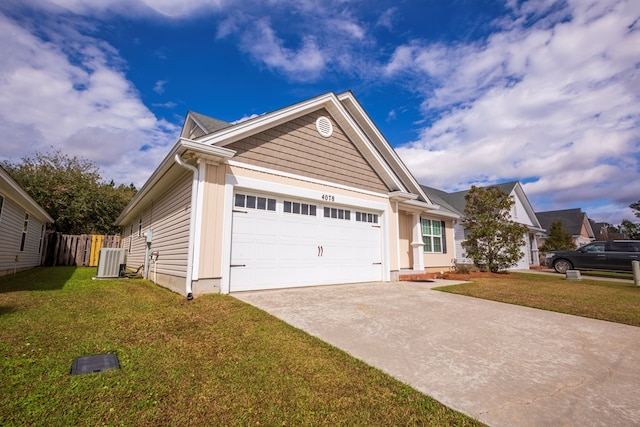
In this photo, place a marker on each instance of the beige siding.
(444, 261)
(297, 147)
(212, 223)
(168, 217)
(406, 234)
(11, 223)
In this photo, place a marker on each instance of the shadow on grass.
(37, 279)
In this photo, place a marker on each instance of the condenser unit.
(111, 262)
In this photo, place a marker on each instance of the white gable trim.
(20, 197)
(339, 113)
(383, 143)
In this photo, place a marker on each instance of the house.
(521, 212)
(602, 231)
(23, 225)
(310, 194)
(574, 222)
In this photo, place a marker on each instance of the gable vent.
(324, 126)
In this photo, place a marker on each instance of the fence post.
(636, 272)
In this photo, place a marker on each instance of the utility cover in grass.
(95, 363)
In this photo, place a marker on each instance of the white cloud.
(68, 95)
(556, 103)
(303, 64)
(158, 87)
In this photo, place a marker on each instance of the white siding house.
(521, 212)
(22, 227)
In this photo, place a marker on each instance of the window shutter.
(444, 237)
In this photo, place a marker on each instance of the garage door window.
(367, 217)
(336, 213)
(299, 208)
(255, 202)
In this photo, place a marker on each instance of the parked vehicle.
(613, 255)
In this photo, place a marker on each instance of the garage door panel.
(281, 249)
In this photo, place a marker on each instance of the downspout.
(192, 223)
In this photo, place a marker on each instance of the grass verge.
(612, 301)
(211, 361)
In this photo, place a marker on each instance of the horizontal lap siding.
(297, 147)
(168, 217)
(11, 222)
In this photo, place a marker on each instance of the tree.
(636, 207)
(494, 241)
(558, 240)
(71, 190)
(630, 229)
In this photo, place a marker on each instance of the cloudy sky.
(467, 91)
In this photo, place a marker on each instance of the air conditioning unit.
(111, 263)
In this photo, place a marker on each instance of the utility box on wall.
(111, 263)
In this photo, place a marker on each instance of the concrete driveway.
(501, 364)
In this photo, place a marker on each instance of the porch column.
(534, 250)
(417, 244)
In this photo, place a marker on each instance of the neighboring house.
(23, 226)
(601, 231)
(521, 212)
(574, 222)
(311, 194)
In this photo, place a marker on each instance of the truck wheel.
(562, 265)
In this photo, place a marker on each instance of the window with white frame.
(25, 228)
(432, 235)
(366, 217)
(248, 201)
(337, 213)
(299, 208)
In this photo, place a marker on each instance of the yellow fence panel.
(96, 244)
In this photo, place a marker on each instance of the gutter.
(192, 222)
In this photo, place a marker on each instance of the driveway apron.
(502, 364)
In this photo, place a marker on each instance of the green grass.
(612, 301)
(211, 361)
(608, 274)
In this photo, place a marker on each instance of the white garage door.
(278, 242)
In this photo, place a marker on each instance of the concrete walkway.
(502, 364)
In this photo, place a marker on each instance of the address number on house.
(328, 198)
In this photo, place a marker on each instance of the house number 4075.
(328, 198)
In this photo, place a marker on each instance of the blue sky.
(468, 92)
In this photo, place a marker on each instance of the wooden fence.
(78, 250)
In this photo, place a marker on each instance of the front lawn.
(612, 301)
(212, 361)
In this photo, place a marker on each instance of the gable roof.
(202, 135)
(573, 220)
(456, 201)
(448, 201)
(11, 189)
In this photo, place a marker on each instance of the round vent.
(324, 126)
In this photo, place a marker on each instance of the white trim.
(20, 197)
(192, 223)
(227, 224)
(398, 234)
(390, 151)
(198, 218)
(303, 193)
(386, 250)
(304, 178)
